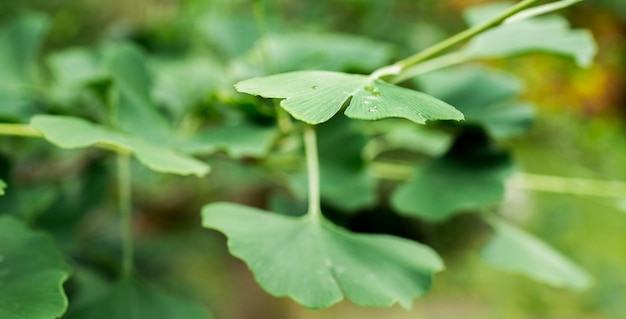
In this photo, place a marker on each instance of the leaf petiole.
(313, 172)
(18, 130)
(124, 202)
(464, 35)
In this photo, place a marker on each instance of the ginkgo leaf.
(75, 67)
(20, 41)
(514, 250)
(32, 273)
(317, 263)
(470, 176)
(133, 108)
(74, 70)
(181, 84)
(73, 132)
(3, 185)
(312, 51)
(539, 34)
(486, 98)
(316, 96)
(237, 140)
(133, 299)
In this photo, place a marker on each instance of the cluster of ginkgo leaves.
(144, 106)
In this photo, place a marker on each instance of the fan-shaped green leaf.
(3, 185)
(485, 97)
(315, 96)
(20, 41)
(75, 67)
(242, 139)
(540, 34)
(74, 70)
(514, 250)
(72, 132)
(32, 273)
(133, 299)
(133, 109)
(181, 84)
(313, 51)
(316, 263)
(469, 177)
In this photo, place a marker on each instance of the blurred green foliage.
(172, 64)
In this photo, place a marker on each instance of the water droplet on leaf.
(374, 109)
(373, 90)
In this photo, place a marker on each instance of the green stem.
(18, 130)
(570, 185)
(455, 39)
(124, 198)
(437, 63)
(535, 182)
(313, 172)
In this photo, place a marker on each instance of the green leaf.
(470, 176)
(486, 98)
(514, 250)
(20, 42)
(182, 84)
(75, 67)
(133, 299)
(3, 186)
(238, 140)
(229, 35)
(74, 71)
(550, 34)
(72, 132)
(396, 135)
(315, 96)
(316, 263)
(313, 51)
(542, 9)
(345, 179)
(325, 51)
(133, 108)
(32, 273)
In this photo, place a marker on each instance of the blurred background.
(579, 132)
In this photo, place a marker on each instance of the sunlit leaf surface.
(550, 34)
(72, 132)
(315, 96)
